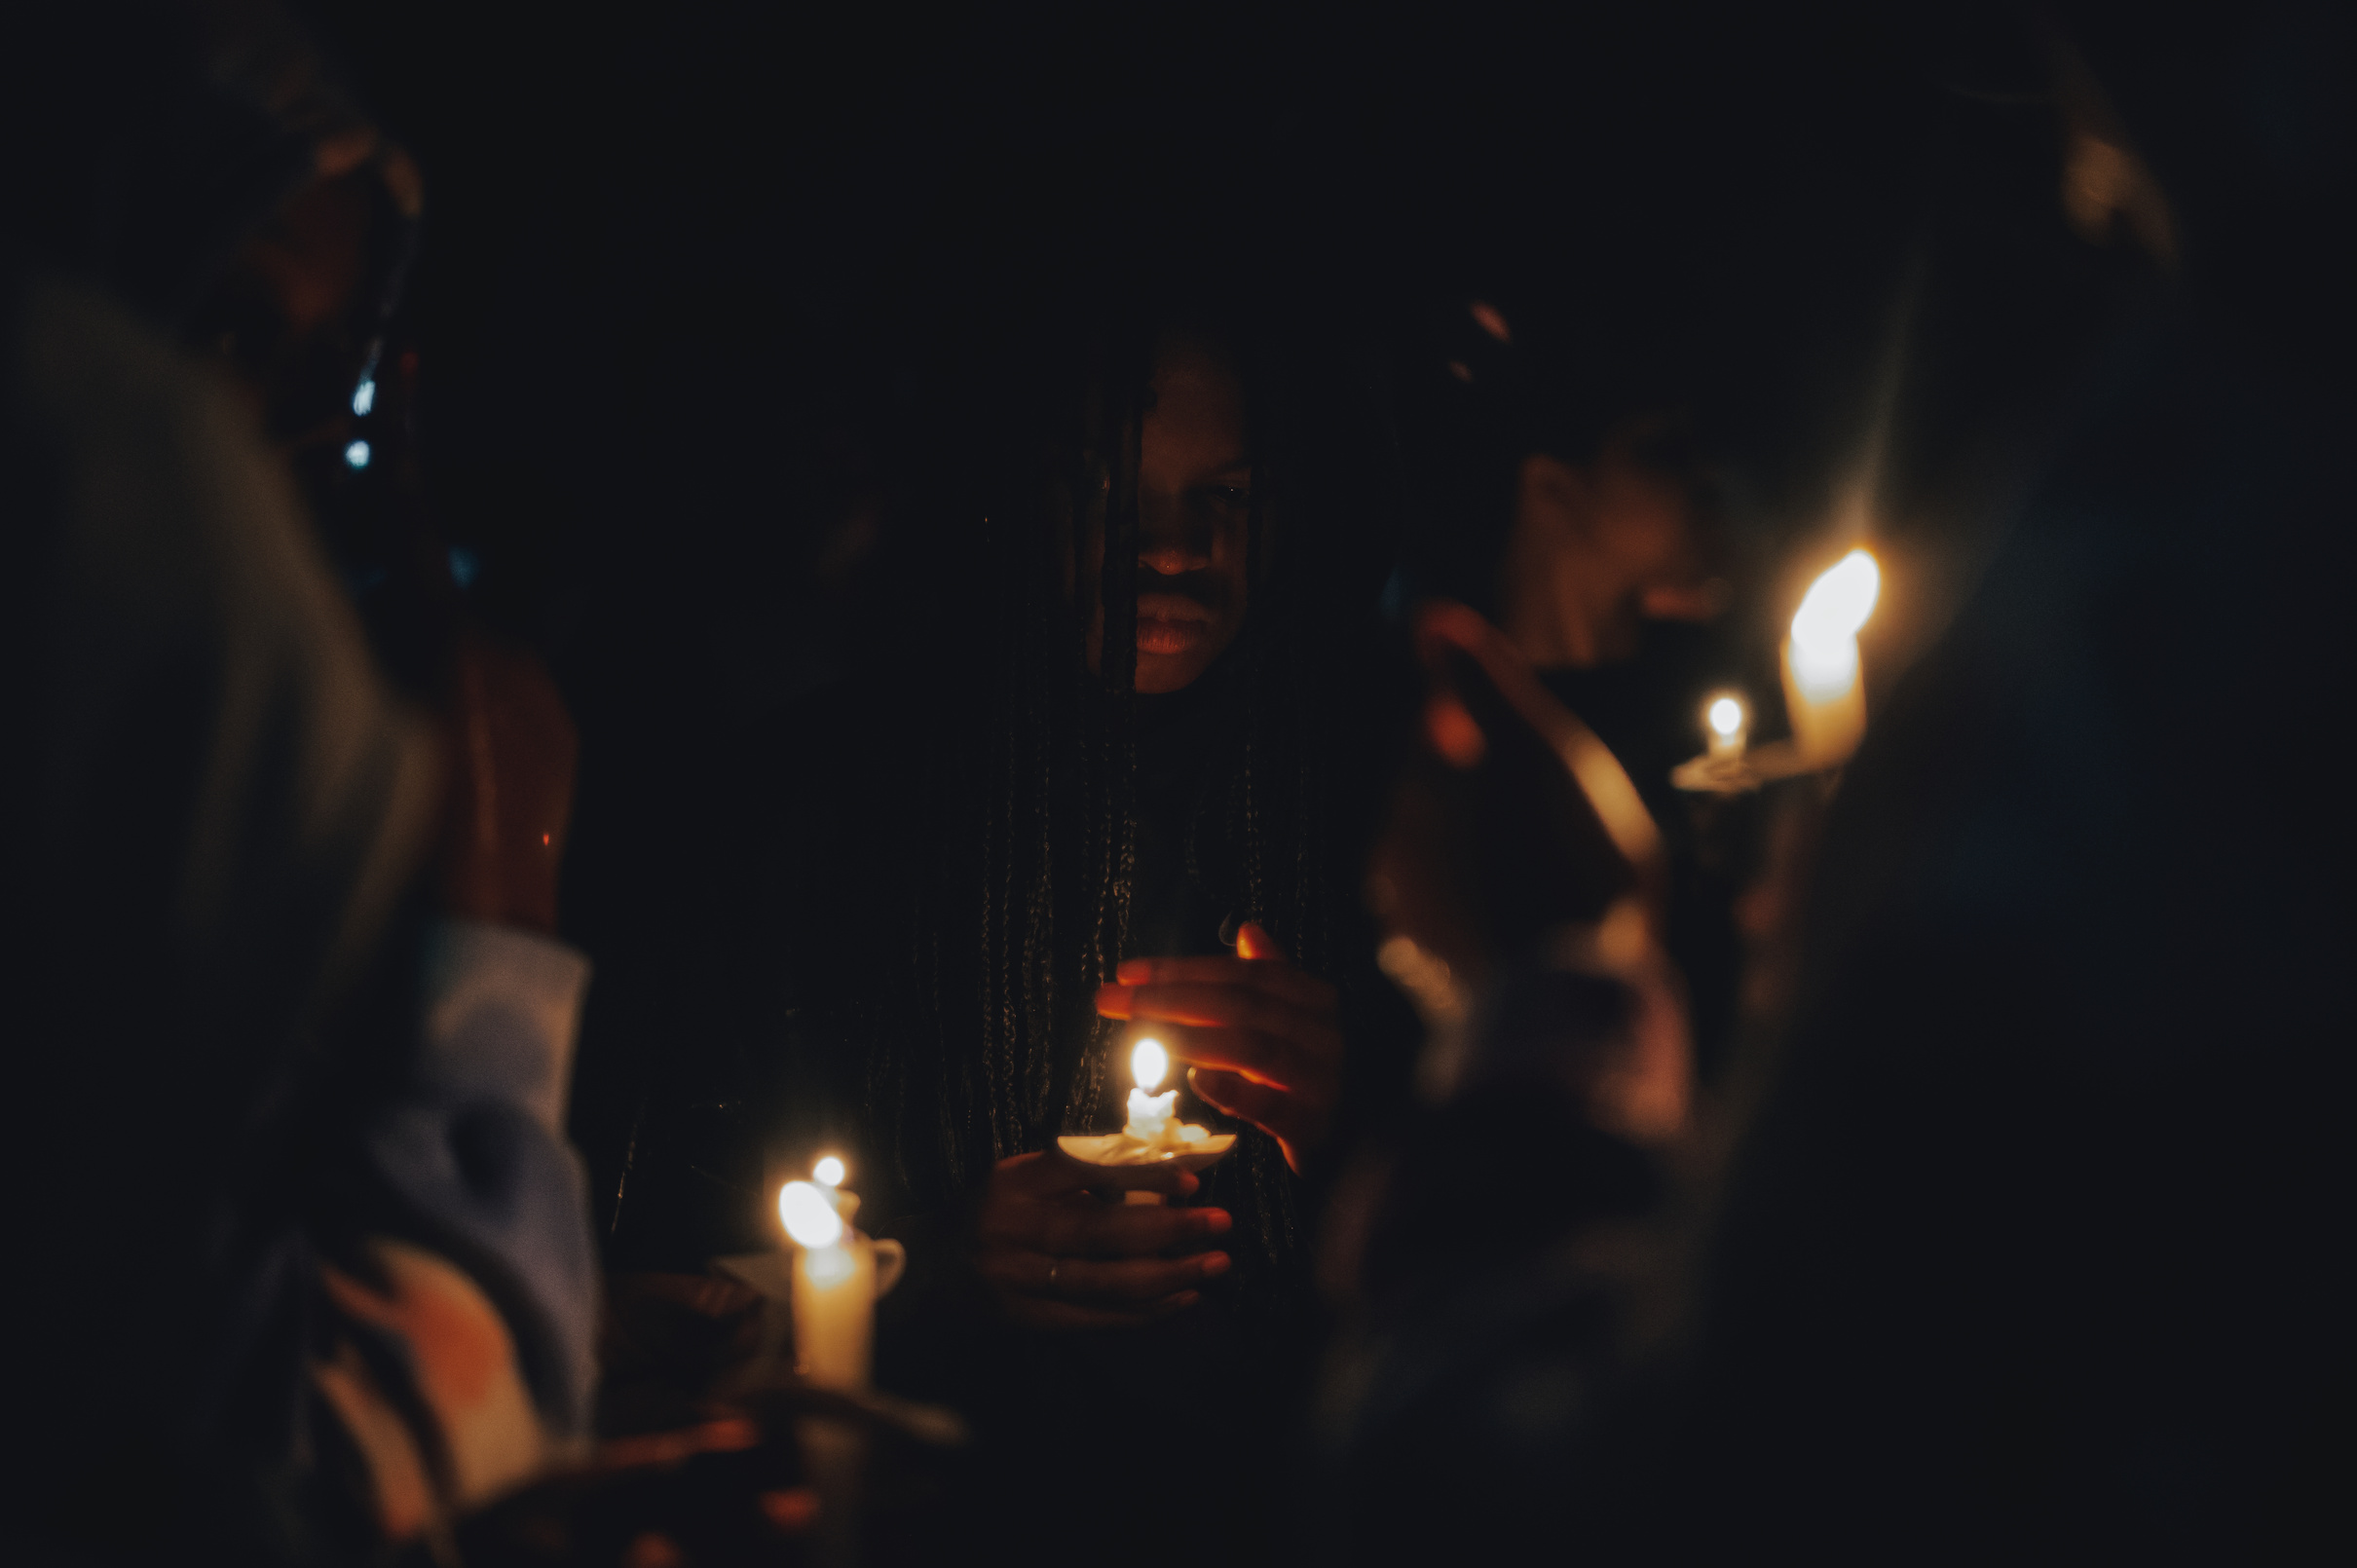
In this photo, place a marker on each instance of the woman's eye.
(1232, 495)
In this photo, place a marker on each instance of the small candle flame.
(828, 1172)
(809, 1218)
(1837, 605)
(1726, 717)
(1148, 1063)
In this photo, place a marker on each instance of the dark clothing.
(724, 1104)
(1648, 712)
(719, 1052)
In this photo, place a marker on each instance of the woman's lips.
(1158, 636)
(1170, 624)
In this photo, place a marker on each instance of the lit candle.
(1824, 684)
(1150, 1115)
(1728, 726)
(1154, 1133)
(834, 1287)
(1154, 1118)
(827, 1175)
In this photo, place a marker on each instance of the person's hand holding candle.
(1264, 1037)
(1059, 1257)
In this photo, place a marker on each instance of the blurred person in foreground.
(290, 1078)
(2023, 1244)
(295, 1142)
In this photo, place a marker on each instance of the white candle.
(1154, 1118)
(827, 1175)
(1825, 675)
(834, 1288)
(1150, 1114)
(1728, 726)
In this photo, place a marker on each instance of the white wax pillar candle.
(1825, 674)
(834, 1291)
(827, 1175)
(835, 1312)
(1150, 1114)
(1825, 691)
(1728, 723)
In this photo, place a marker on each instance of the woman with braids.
(1128, 774)
(1173, 719)
(1168, 547)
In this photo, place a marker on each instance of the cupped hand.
(1060, 1256)
(1265, 1039)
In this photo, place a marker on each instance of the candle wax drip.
(1154, 1120)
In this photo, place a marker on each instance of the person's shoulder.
(161, 476)
(98, 382)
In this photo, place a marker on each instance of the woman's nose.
(1168, 542)
(1171, 557)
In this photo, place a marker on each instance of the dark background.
(715, 300)
(704, 290)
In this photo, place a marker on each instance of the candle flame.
(1148, 1063)
(811, 1219)
(1725, 716)
(828, 1172)
(1836, 603)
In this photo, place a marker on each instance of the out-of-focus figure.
(1520, 864)
(276, 1128)
(2024, 1239)
(1598, 549)
(314, 1262)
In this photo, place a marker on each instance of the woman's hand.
(1059, 1257)
(1265, 1036)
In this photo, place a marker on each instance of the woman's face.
(1194, 504)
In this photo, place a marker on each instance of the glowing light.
(1490, 320)
(1824, 678)
(1148, 1063)
(1727, 725)
(1823, 672)
(464, 566)
(357, 454)
(1837, 605)
(809, 1218)
(365, 395)
(828, 1172)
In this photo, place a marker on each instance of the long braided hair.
(1018, 901)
